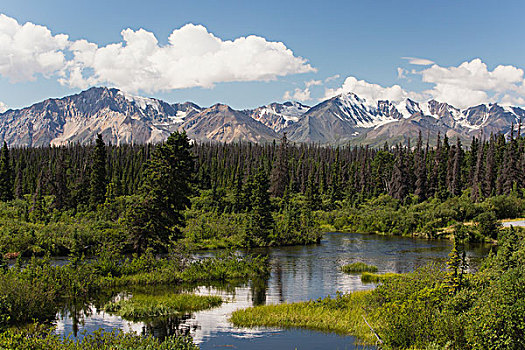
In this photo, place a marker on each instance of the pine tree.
(510, 174)
(59, 186)
(420, 171)
(398, 184)
(6, 176)
(19, 189)
(490, 170)
(280, 170)
(261, 220)
(313, 199)
(457, 164)
(456, 266)
(156, 217)
(98, 180)
(477, 179)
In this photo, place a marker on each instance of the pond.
(298, 274)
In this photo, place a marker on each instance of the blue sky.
(367, 40)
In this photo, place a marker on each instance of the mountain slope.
(278, 116)
(344, 119)
(119, 117)
(223, 124)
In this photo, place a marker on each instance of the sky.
(251, 53)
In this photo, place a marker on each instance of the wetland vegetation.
(135, 215)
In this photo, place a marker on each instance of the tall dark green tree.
(280, 171)
(155, 219)
(261, 220)
(98, 179)
(59, 186)
(420, 170)
(6, 175)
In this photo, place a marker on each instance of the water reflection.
(298, 274)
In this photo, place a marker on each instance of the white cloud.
(472, 83)
(371, 92)
(313, 83)
(3, 107)
(29, 49)
(469, 84)
(401, 73)
(333, 77)
(418, 61)
(298, 95)
(193, 57)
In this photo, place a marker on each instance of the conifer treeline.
(488, 167)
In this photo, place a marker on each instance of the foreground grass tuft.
(342, 315)
(367, 277)
(358, 267)
(98, 340)
(143, 306)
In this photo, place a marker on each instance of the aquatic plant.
(368, 277)
(142, 306)
(358, 267)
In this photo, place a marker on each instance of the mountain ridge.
(343, 119)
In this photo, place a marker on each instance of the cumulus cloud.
(193, 57)
(468, 84)
(313, 83)
(3, 107)
(473, 83)
(301, 95)
(371, 92)
(29, 49)
(401, 73)
(418, 61)
(333, 77)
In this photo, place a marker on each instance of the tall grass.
(342, 314)
(99, 340)
(358, 267)
(142, 306)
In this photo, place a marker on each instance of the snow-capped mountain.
(119, 117)
(347, 118)
(278, 116)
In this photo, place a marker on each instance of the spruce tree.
(6, 176)
(98, 179)
(280, 170)
(156, 216)
(420, 171)
(59, 186)
(261, 220)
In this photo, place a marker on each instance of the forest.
(142, 210)
(59, 200)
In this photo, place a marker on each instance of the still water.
(298, 274)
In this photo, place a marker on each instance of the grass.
(98, 340)
(342, 315)
(367, 277)
(358, 267)
(143, 306)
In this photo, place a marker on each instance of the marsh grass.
(358, 267)
(98, 340)
(342, 315)
(143, 306)
(367, 277)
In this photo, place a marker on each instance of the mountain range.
(344, 119)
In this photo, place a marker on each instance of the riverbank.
(425, 309)
(342, 315)
(298, 273)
